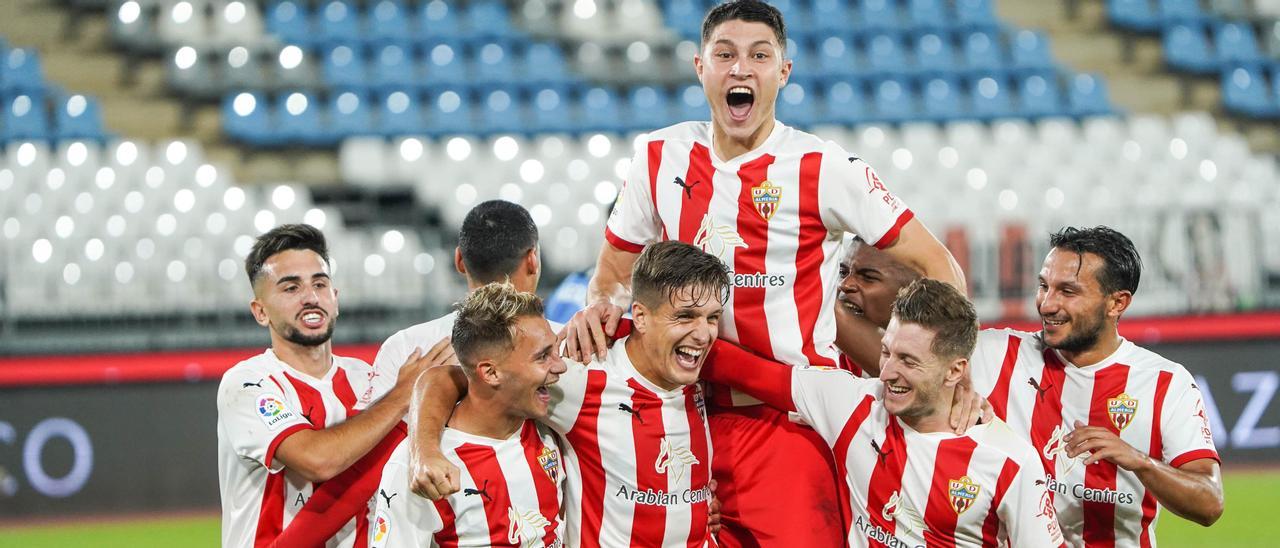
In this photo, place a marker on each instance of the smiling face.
(529, 368)
(674, 338)
(1072, 305)
(870, 281)
(295, 298)
(742, 66)
(918, 383)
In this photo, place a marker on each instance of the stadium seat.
(649, 108)
(692, 104)
(976, 15)
(836, 58)
(184, 23)
(1236, 43)
(1245, 91)
(934, 55)
(445, 66)
(25, 119)
(684, 16)
(893, 101)
(1038, 97)
(545, 65)
(438, 21)
(501, 113)
(832, 17)
(298, 119)
(247, 117)
(886, 56)
(1087, 96)
(845, 102)
(343, 68)
(391, 68)
(450, 113)
(235, 22)
(600, 110)
(1030, 54)
(797, 16)
(22, 73)
(242, 69)
(549, 112)
(941, 100)
(387, 22)
(879, 16)
(928, 15)
(1135, 15)
(349, 114)
(1186, 48)
(336, 22)
(797, 106)
(489, 20)
(290, 21)
(79, 117)
(989, 98)
(191, 72)
(982, 53)
(400, 113)
(493, 67)
(1179, 11)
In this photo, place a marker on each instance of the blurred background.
(144, 144)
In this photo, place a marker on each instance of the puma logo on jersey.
(525, 528)
(688, 188)
(483, 491)
(881, 454)
(631, 411)
(673, 458)
(257, 384)
(383, 492)
(1039, 389)
(716, 239)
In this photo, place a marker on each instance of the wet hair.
(494, 238)
(751, 11)
(940, 308)
(667, 268)
(1121, 265)
(284, 238)
(487, 320)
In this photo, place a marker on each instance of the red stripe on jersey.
(481, 462)
(748, 302)
(311, 401)
(447, 536)
(275, 442)
(1100, 517)
(991, 526)
(342, 389)
(841, 451)
(548, 498)
(648, 521)
(619, 243)
(1156, 452)
(1197, 454)
(809, 257)
(584, 437)
(700, 474)
(278, 385)
(999, 397)
(849, 365)
(886, 477)
(655, 162)
(271, 512)
(941, 513)
(1046, 414)
(892, 234)
(697, 188)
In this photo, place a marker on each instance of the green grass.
(1248, 521)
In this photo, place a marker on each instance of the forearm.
(612, 280)
(436, 393)
(1194, 494)
(920, 250)
(761, 378)
(319, 455)
(859, 339)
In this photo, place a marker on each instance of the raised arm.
(916, 247)
(438, 391)
(608, 292)
(763, 379)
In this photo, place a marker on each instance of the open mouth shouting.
(312, 318)
(688, 357)
(740, 99)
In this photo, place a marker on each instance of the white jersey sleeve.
(826, 397)
(1027, 514)
(1184, 426)
(400, 518)
(256, 415)
(567, 396)
(987, 359)
(852, 198)
(634, 220)
(392, 354)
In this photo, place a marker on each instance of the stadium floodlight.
(129, 12)
(206, 175)
(41, 250)
(283, 197)
(606, 192)
(182, 12)
(185, 58)
(599, 145)
(392, 241)
(531, 171)
(290, 57)
(506, 148)
(411, 149)
(314, 217)
(541, 214)
(184, 200)
(55, 178)
(584, 9)
(234, 12)
(176, 152)
(458, 149)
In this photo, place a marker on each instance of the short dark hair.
(495, 236)
(1121, 264)
(487, 319)
(942, 309)
(284, 238)
(667, 267)
(751, 11)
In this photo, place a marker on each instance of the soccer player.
(870, 281)
(283, 415)
(911, 480)
(637, 448)
(1120, 430)
(511, 469)
(771, 202)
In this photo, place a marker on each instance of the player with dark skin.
(870, 281)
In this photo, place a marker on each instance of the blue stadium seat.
(649, 108)
(797, 106)
(935, 55)
(501, 113)
(450, 113)
(387, 22)
(1236, 43)
(79, 117)
(1038, 97)
(928, 15)
(600, 110)
(350, 114)
(247, 117)
(691, 104)
(400, 113)
(492, 65)
(299, 119)
(21, 72)
(1136, 15)
(1186, 48)
(550, 68)
(549, 112)
(439, 21)
(25, 118)
(797, 16)
(885, 54)
(343, 67)
(989, 97)
(445, 66)
(1180, 11)
(684, 16)
(1030, 54)
(804, 66)
(893, 101)
(392, 68)
(845, 102)
(982, 53)
(832, 17)
(337, 22)
(290, 21)
(879, 16)
(1087, 96)
(976, 15)
(489, 20)
(1245, 91)
(941, 100)
(836, 58)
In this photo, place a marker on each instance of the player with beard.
(283, 415)
(770, 202)
(1120, 430)
(870, 281)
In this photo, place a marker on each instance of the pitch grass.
(1249, 521)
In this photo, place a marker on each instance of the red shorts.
(777, 481)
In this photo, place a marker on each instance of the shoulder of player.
(352, 364)
(250, 370)
(425, 333)
(1138, 357)
(999, 438)
(691, 131)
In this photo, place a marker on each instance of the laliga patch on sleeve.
(381, 530)
(273, 411)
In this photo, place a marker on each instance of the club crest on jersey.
(766, 198)
(273, 411)
(673, 459)
(962, 492)
(1121, 410)
(525, 528)
(549, 460)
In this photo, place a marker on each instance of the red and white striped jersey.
(638, 457)
(909, 488)
(510, 495)
(399, 346)
(262, 401)
(776, 216)
(1152, 403)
